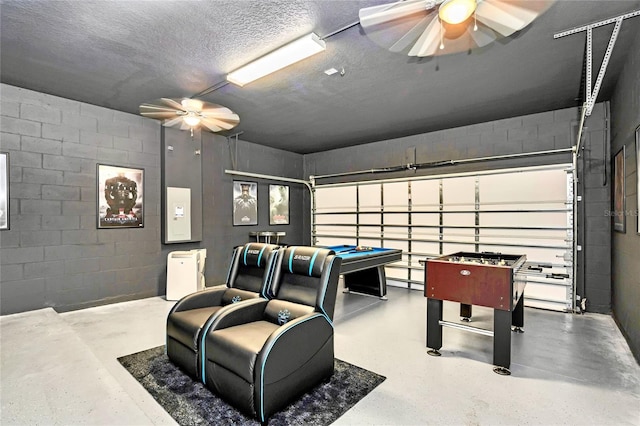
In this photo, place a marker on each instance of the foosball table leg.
(502, 341)
(434, 329)
(465, 312)
(517, 316)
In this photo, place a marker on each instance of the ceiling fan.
(190, 113)
(439, 27)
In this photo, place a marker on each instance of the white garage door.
(515, 211)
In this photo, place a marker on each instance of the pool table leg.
(372, 281)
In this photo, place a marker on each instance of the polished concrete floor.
(61, 369)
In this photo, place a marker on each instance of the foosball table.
(482, 279)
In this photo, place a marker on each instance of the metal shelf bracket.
(592, 95)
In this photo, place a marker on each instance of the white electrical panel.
(178, 214)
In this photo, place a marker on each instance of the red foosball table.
(481, 279)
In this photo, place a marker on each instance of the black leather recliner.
(261, 356)
(249, 273)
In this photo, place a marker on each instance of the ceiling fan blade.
(172, 103)
(504, 17)
(221, 114)
(173, 122)
(428, 42)
(154, 107)
(520, 10)
(226, 125)
(211, 126)
(217, 111)
(375, 15)
(412, 35)
(160, 115)
(229, 116)
(212, 109)
(482, 36)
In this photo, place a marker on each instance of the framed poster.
(245, 203)
(278, 205)
(618, 192)
(120, 197)
(4, 190)
(638, 179)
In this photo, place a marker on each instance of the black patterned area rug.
(189, 402)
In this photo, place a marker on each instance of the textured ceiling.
(119, 54)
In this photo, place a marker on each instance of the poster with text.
(120, 196)
(245, 203)
(278, 205)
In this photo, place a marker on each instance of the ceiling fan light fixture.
(456, 11)
(189, 113)
(288, 54)
(191, 119)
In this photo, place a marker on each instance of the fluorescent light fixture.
(456, 11)
(286, 55)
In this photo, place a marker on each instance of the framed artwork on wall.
(120, 197)
(619, 223)
(4, 190)
(278, 205)
(245, 203)
(638, 180)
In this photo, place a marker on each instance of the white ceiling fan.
(190, 113)
(440, 27)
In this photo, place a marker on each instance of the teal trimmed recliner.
(260, 356)
(247, 279)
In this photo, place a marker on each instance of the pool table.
(363, 268)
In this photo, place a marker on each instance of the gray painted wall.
(181, 167)
(625, 108)
(537, 132)
(220, 236)
(53, 255)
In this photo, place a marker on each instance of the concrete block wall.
(219, 234)
(54, 255)
(537, 132)
(625, 114)
(550, 130)
(595, 188)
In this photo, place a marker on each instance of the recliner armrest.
(201, 299)
(292, 345)
(239, 313)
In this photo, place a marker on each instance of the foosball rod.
(466, 328)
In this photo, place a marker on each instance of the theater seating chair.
(246, 282)
(262, 356)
